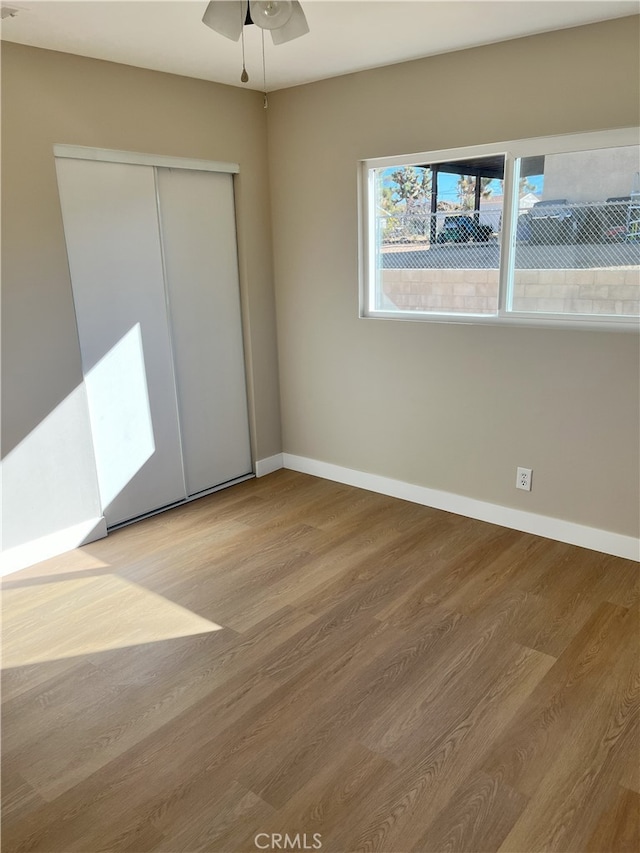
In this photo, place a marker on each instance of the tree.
(386, 200)
(404, 201)
(467, 190)
(425, 182)
(388, 210)
(412, 187)
(525, 187)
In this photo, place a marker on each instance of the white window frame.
(513, 151)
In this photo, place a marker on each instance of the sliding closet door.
(113, 243)
(197, 218)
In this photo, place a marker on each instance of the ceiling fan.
(284, 18)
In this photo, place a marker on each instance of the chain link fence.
(551, 234)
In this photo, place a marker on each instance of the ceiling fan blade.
(295, 27)
(226, 17)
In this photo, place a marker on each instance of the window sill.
(546, 321)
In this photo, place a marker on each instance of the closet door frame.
(80, 152)
(109, 155)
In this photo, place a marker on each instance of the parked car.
(462, 228)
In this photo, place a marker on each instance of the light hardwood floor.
(294, 656)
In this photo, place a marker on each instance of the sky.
(448, 185)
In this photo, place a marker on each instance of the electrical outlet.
(523, 479)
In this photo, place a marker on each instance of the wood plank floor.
(294, 656)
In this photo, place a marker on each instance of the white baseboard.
(541, 525)
(22, 556)
(269, 465)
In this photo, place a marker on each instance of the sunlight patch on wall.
(49, 484)
(120, 414)
(84, 616)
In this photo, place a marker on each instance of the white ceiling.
(345, 35)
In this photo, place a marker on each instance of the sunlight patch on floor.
(83, 616)
(68, 563)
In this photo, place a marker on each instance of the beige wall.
(450, 407)
(49, 98)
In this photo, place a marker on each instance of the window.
(536, 231)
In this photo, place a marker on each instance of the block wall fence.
(601, 291)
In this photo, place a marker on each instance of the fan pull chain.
(244, 77)
(264, 75)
